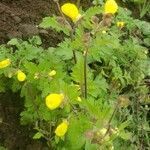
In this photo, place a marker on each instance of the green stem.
(58, 6)
(72, 28)
(85, 73)
(71, 36)
(113, 114)
(78, 3)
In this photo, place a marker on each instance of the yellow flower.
(104, 32)
(110, 7)
(21, 76)
(4, 63)
(120, 24)
(54, 100)
(52, 73)
(71, 11)
(79, 99)
(78, 86)
(62, 129)
(102, 133)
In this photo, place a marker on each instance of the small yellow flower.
(62, 128)
(78, 86)
(52, 73)
(4, 63)
(102, 133)
(120, 24)
(71, 11)
(79, 99)
(21, 76)
(104, 32)
(110, 7)
(114, 131)
(54, 100)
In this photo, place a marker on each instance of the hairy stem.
(78, 3)
(85, 73)
(71, 36)
(109, 121)
(72, 28)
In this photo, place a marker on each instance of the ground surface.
(18, 18)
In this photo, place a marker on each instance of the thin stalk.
(109, 121)
(85, 73)
(72, 28)
(78, 3)
(58, 6)
(73, 51)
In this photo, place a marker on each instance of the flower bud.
(62, 129)
(21, 76)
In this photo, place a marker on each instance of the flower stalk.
(72, 28)
(85, 73)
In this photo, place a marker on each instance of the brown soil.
(13, 136)
(18, 18)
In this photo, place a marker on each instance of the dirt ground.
(13, 136)
(18, 18)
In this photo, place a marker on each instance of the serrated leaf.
(77, 72)
(125, 135)
(51, 22)
(38, 135)
(35, 40)
(13, 42)
(64, 50)
(76, 130)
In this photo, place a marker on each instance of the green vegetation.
(100, 69)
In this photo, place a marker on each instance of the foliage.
(114, 64)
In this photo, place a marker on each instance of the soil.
(18, 18)
(13, 136)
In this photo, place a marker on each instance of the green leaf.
(89, 146)
(13, 42)
(64, 50)
(35, 40)
(124, 125)
(38, 135)
(75, 138)
(77, 72)
(88, 15)
(125, 135)
(54, 24)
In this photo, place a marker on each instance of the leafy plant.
(89, 91)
